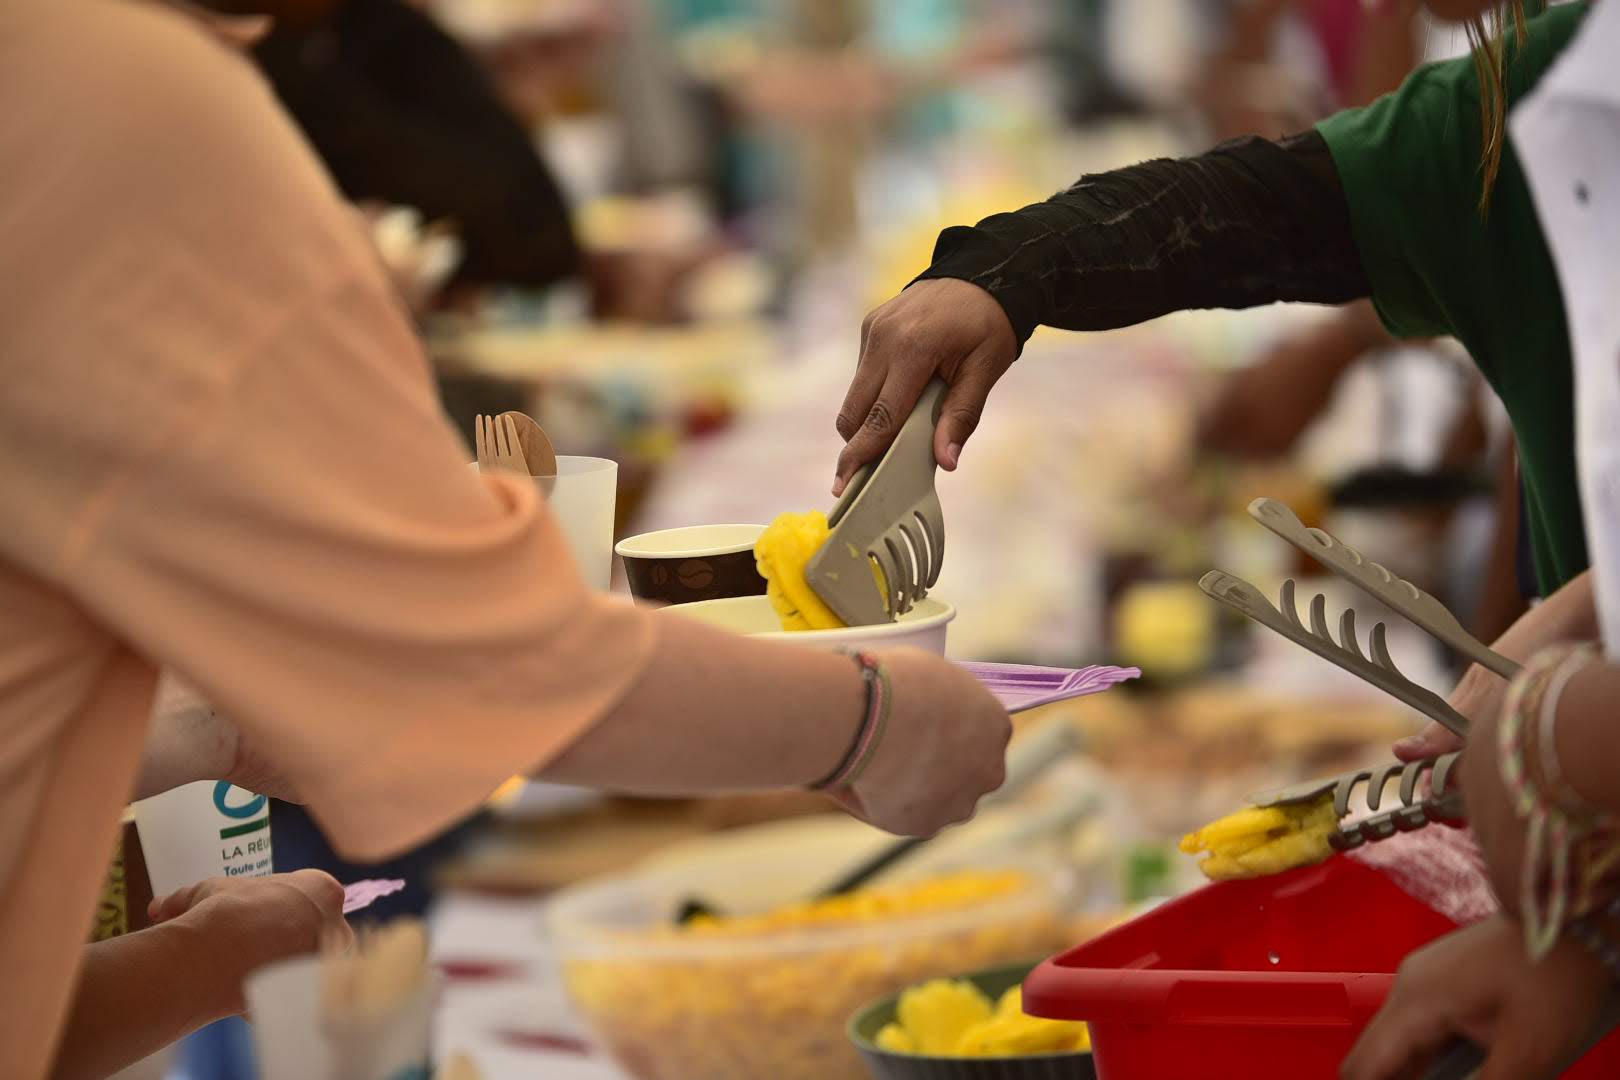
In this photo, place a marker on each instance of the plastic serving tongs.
(888, 517)
(1442, 801)
(1418, 805)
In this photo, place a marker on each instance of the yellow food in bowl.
(767, 995)
(1257, 841)
(954, 1018)
(781, 554)
(944, 893)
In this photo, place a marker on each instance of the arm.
(1501, 601)
(1585, 735)
(1251, 222)
(1570, 614)
(187, 741)
(301, 539)
(126, 1007)
(140, 992)
(785, 719)
(1260, 411)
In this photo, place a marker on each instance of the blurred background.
(655, 225)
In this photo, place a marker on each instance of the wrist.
(217, 955)
(844, 715)
(878, 700)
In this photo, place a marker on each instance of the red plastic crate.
(1270, 978)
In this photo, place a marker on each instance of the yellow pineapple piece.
(936, 1013)
(1257, 841)
(952, 1018)
(781, 554)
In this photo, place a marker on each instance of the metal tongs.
(888, 517)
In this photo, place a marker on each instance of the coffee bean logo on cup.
(700, 562)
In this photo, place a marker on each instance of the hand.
(1479, 982)
(256, 921)
(1478, 695)
(939, 327)
(944, 749)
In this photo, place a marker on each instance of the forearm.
(1262, 410)
(719, 712)
(1587, 726)
(1501, 603)
(139, 993)
(1570, 614)
(1251, 222)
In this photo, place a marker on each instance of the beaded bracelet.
(1548, 764)
(1566, 856)
(879, 695)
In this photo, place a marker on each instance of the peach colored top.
(221, 452)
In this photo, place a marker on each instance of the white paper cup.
(583, 496)
(203, 830)
(294, 1041)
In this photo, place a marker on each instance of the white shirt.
(1567, 134)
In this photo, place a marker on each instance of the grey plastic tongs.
(1460, 1058)
(1411, 602)
(1378, 669)
(888, 515)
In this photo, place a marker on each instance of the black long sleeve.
(1248, 223)
(400, 113)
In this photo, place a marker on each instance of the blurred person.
(402, 114)
(1260, 411)
(1542, 777)
(1363, 50)
(225, 458)
(1415, 201)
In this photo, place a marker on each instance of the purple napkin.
(1022, 686)
(363, 893)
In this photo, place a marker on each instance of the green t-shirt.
(1410, 166)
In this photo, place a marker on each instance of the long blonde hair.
(1487, 37)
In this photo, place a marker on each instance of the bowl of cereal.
(767, 991)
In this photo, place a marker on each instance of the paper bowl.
(922, 627)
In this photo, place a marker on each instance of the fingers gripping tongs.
(889, 519)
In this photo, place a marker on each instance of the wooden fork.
(498, 446)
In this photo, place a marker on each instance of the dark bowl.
(885, 1065)
(700, 562)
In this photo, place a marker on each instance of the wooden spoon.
(537, 449)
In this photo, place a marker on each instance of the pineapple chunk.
(781, 554)
(952, 1018)
(936, 1013)
(1257, 841)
